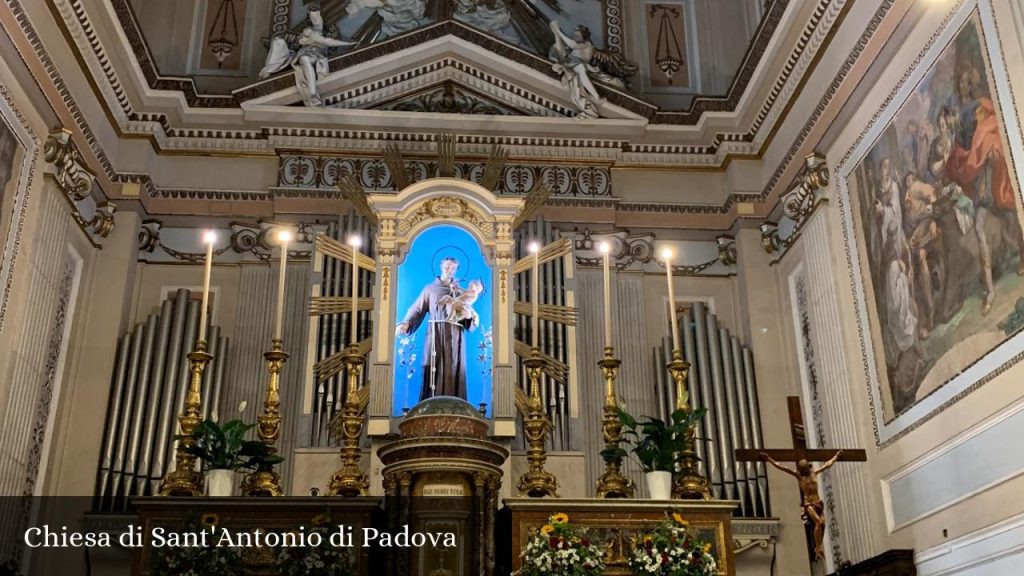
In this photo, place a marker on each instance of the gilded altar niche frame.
(402, 217)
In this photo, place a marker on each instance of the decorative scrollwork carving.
(149, 235)
(102, 221)
(726, 249)
(446, 207)
(74, 178)
(801, 201)
(770, 240)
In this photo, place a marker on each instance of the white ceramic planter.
(220, 482)
(659, 485)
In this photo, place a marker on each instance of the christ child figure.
(459, 307)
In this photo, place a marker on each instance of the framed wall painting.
(931, 206)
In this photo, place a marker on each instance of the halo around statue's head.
(455, 253)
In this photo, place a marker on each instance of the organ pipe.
(334, 331)
(721, 379)
(149, 380)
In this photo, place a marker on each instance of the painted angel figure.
(580, 63)
(307, 55)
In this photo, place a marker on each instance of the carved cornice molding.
(95, 217)
(85, 39)
(713, 154)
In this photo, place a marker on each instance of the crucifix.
(807, 475)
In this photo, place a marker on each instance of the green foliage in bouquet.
(673, 548)
(225, 447)
(655, 442)
(198, 560)
(323, 560)
(559, 549)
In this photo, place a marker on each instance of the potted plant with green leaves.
(655, 445)
(224, 451)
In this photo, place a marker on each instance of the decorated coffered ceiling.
(193, 126)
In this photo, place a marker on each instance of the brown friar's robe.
(447, 369)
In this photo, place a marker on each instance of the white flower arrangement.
(198, 560)
(324, 560)
(672, 549)
(558, 549)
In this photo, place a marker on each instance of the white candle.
(667, 255)
(284, 236)
(209, 238)
(535, 295)
(355, 242)
(607, 298)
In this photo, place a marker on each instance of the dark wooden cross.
(813, 506)
(799, 451)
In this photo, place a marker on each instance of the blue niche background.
(421, 267)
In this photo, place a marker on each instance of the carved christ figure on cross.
(814, 507)
(810, 501)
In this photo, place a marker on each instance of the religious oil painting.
(14, 170)
(443, 336)
(937, 206)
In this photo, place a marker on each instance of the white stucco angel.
(396, 16)
(581, 64)
(488, 15)
(306, 54)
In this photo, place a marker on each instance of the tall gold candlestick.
(536, 482)
(607, 298)
(350, 480)
(666, 254)
(612, 484)
(265, 481)
(209, 237)
(535, 295)
(687, 483)
(355, 242)
(185, 480)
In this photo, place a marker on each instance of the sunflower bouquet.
(198, 560)
(672, 549)
(559, 549)
(323, 560)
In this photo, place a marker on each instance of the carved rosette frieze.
(325, 173)
(94, 215)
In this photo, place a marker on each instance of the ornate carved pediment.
(450, 98)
